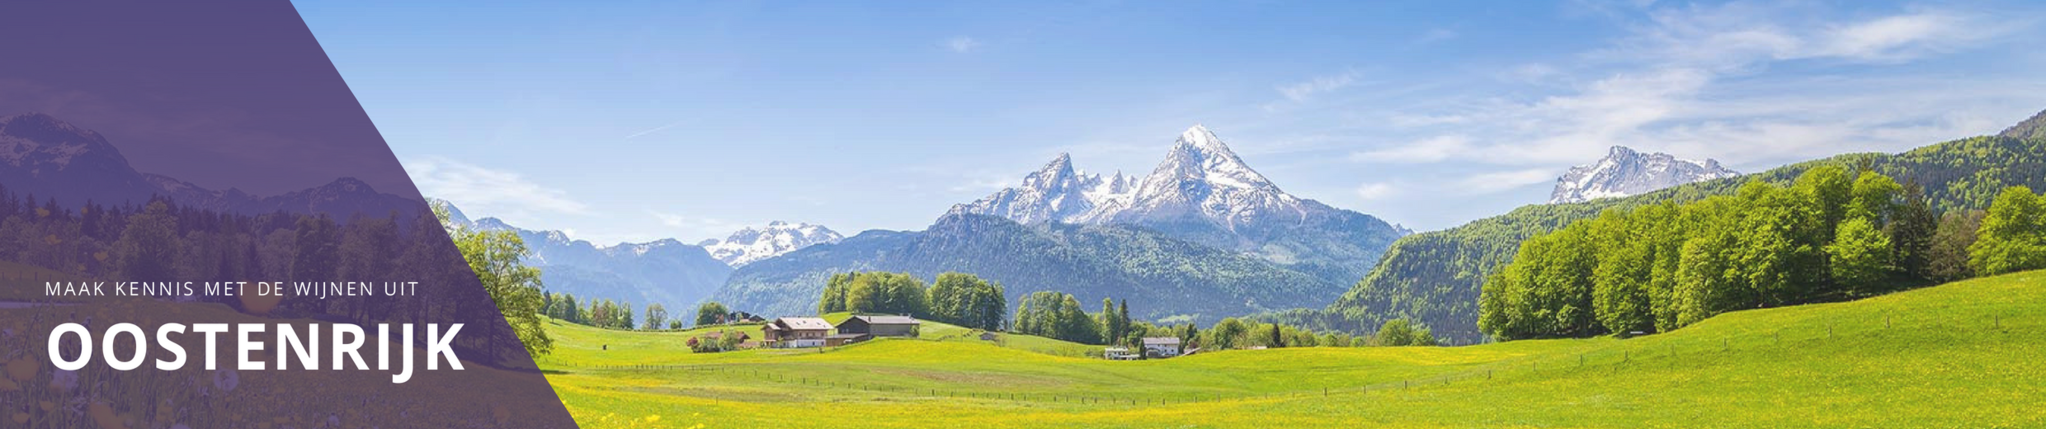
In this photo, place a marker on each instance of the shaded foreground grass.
(1959, 355)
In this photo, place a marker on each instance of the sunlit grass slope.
(1967, 354)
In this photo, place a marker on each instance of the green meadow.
(1966, 354)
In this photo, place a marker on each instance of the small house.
(1161, 347)
(880, 326)
(791, 332)
(989, 336)
(1119, 353)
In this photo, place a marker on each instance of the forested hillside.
(1162, 277)
(1434, 277)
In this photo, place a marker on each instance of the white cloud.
(1494, 182)
(489, 192)
(1741, 34)
(1377, 191)
(1303, 90)
(1433, 149)
(961, 44)
(1696, 81)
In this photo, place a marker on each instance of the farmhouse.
(789, 332)
(880, 326)
(1161, 347)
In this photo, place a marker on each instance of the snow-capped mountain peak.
(1626, 172)
(752, 244)
(1200, 177)
(1199, 155)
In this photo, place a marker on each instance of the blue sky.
(632, 121)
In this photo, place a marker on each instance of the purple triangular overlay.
(209, 142)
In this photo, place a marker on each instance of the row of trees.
(1829, 235)
(956, 298)
(602, 313)
(1060, 316)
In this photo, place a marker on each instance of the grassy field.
(1961, 355)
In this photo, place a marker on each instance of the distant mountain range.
(674, 274)
(1624, 172)
(668, 272)
(52, 159)
(1203, 236)
(752, 244)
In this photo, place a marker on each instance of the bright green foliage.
(1860, 256)
(495, 257)
(1435, 277)
(711, 313)
(1225, 335)
(1058, 316)
(1660, 267)
(563, 307)
(967, 300)
(604, 313)
(1401, 333)
(1935, 356)
(2013, 234)
(875, 293)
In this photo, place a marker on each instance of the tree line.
(955, 298)
(1060, 316)
(1829, 235)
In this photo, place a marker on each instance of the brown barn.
(880, 326)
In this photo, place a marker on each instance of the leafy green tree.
(1401, 333)
(835, 290)
(317, 241)
(1226, 334)
(148, 248)
(1947, 257)
(1620, 282)
(656, 316)
(711, 313)
(967, 300)
(2011, 238)
(1911, 230)
(495, 257)
(1057, 315)
(1875, 198)
(1860, 256)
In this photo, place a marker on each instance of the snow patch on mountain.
(1625, 172)
(1199, 178)
(752, 244)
